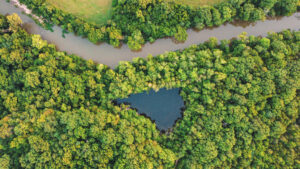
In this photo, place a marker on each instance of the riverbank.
(108, 55)
(138, 22)
(57, 100)
(26, 10)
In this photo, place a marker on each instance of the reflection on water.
(164, 107)
(106, 54)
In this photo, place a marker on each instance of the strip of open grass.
(195, 3)
(94, 11)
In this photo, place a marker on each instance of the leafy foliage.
(138, 21)
(242, 106)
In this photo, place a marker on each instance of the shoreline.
(110, 56)
(25, 9)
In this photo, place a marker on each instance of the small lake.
(164, 107)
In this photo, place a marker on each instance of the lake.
(164, 107)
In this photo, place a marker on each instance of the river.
(106, 54)
(163, 107)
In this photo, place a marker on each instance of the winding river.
(106, 54)
(163, 107)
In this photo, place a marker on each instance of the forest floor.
(94, 11)
(196, 3)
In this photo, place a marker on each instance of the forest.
(241, 98)
(136, 22)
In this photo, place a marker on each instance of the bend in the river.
(106, 54)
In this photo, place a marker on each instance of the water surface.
(106, 54)
(164, 107)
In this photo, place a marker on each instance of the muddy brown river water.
(106, 54)
(164, 106)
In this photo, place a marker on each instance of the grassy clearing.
(94, 11)
(195, 3)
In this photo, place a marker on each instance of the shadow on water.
(164, 107)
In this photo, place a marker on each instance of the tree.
(14, 22)
(95, 35)
(136, 40)
(32, 79)
(241, 105)
(5, 162)
(38, 42)
(181, 34)
(267, 4)
(115, 36)
(286, 7)
(216, 16)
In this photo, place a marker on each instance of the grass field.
(94, 11)
(195, 3)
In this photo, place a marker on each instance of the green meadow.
(99, 11)
(94, 11)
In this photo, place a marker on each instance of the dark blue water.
(164, 106)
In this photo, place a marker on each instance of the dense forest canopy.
(138, 21)
(241, 96)
(195, 3)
